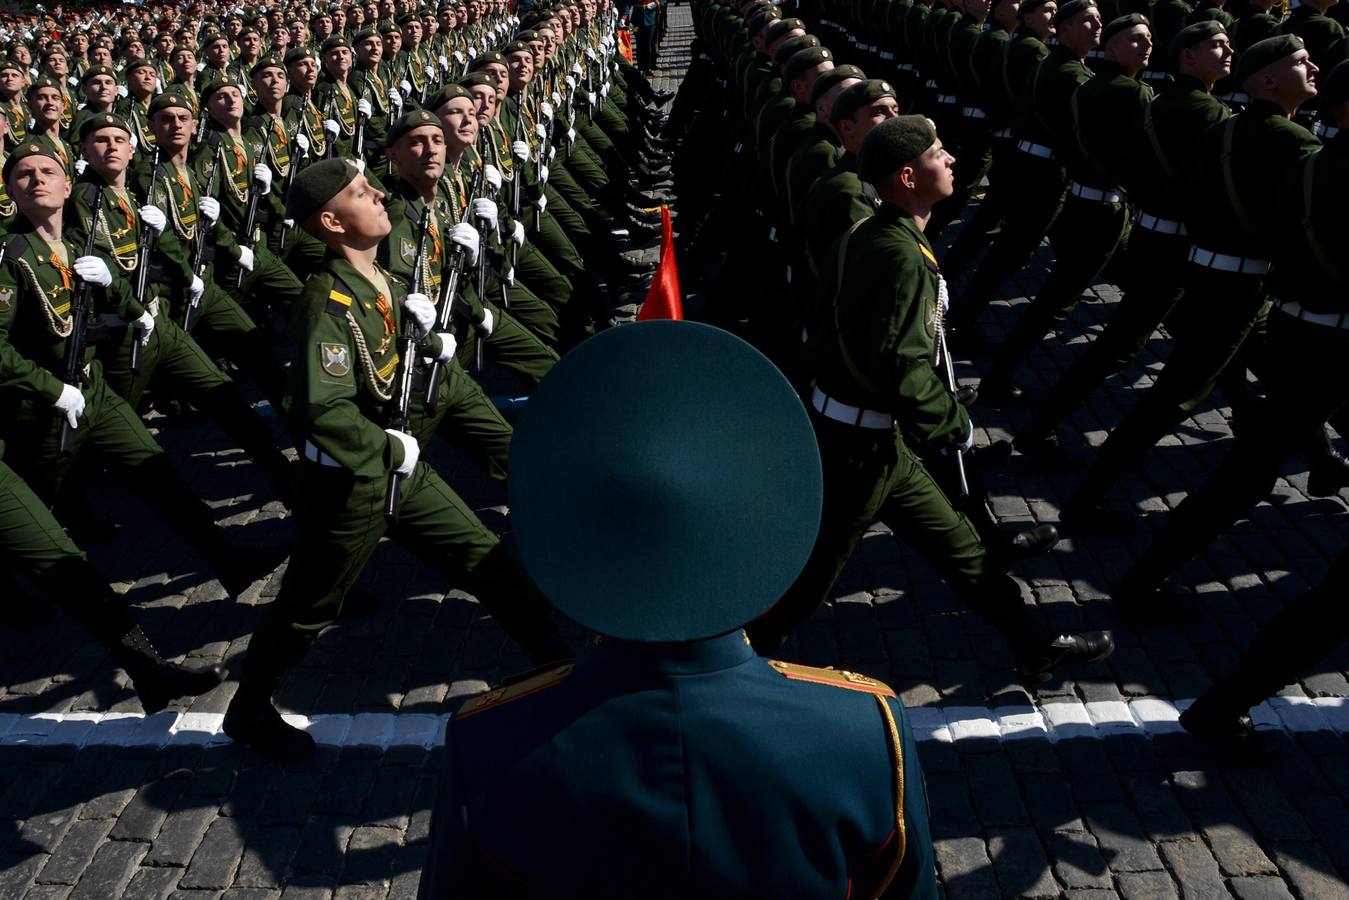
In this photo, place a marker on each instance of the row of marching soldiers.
(1197, 161)
(384, 274)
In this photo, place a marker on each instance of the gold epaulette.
(836, 677)
(507, 693)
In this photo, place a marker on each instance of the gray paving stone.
(1020, 864)
(74, 853)
(151, 883)
(1230, 840)
(180, 835)
(993, 787)
(1260, 887)
(965, 868)
(110, 871)
(214, 864)
(1077, 860)
(1307, 868)
(17, 872)
(1121, 836)
(1146, 886)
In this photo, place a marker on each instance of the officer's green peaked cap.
(665, 483)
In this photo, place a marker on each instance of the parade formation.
(341, 218)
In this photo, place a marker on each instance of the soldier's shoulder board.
(339, 301)
(523, 688)
(835, 677)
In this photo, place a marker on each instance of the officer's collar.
(682, 658)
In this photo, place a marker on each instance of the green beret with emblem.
(1116, 27)
(476, 79)
(781, 27)
(336, 42)
(418, 118)
(805, 59)
(367, 32)
(760, 20)
(446, 94)
(1029, 6)
(793, 46)
(26, 150)
(99, 121)
(1265, 53)
(316, 185)
(717, 510)
(93, 71)
(267, 62)
(169, 100)
(135, 64)
(516, 47)
(1192, 35)
(825, 83)
(1334, 88)
(486, 59)
(858, 96)
(13, 64)
(523, 37)
(40, 83)
(388, 27)
(407, 18)
(295, 54)
(1072, 8)
(894, 144)
(214, 85)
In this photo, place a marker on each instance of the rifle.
(250, 225)
(494, 155)
(407, 352)
(79, 318)
(944, 358)
(331, 150)
(199, 252)
(143, 260)
(290, 176)
(359, 144)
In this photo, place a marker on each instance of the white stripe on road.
(1050, 721)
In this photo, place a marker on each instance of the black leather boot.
(157, 681)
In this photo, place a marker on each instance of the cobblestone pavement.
(109, 810)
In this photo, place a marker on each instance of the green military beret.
(295, 54)
(486, 59)
(405, 18)
(336, 42)
(388, 27)
(1029, 6)
(100, 121)
(526, 36)
(40, 83)
(135, 64)
(858, 96)
(1264, 53)
(825, 83)
(98, 70)
(316, 185)
(781, 27)
(215, 84)
(1211, 14)
(516, 47)
(1122, 24)
(25, 151)
(213, 37)
(793, 46)
(418, 118)
(893, 144)
(805, 59)
(249, 30)
(686, 447)
(1191, 35)
(53, 50)
(1334, 88)
(169, 100)
(12, 64)
(1072, 8)
(446, 94)
(267, 62)
(364, 33)
(474, 79)
(760, 20)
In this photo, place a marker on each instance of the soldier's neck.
(271, 107)
(362, 260)
(47, 223)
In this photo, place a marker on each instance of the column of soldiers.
(347, 210)
(1193, 154)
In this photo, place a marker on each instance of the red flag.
(664, 299)
(625, 44)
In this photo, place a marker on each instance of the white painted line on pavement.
(1050, 721)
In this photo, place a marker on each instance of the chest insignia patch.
(408, 250)
(336, 359)
(6, 299)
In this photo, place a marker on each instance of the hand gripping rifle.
(249, 238)
(449, 290)
(332, 114)
(199, 251)
(146, 247)
(407, 352)
(358, 151)
(290, 176)
(79, 318)
(943, 353)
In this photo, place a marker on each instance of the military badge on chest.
(407, 249)
(336, 359)
(6, 299)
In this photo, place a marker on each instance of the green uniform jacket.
(1109, 110)
(1173, 124)
(1309, 262)
(884, 309)
(1052, 85)
(834, 203)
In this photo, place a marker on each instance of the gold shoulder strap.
(896, 743)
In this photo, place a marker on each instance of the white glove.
(518, 235)
(543, 174)
(591, 99)
(604, 89)
(134, 143)
(423, 313)
(444, 63)
(520, 150)
(302, 142)
(472, 51)
(93, 270)
(395, 98)
(486, 209)
(246, 258)
(541, 204)
(360, 166)
(154, 217)
(121, 90)
(968, 442)
(210, 209)
(541, 131)
(262, 174)
(510, 276)
(492, 175)
(590, 54)
(943, 295)
(459, 57)
(145, 326)
(411, 452)
(487, 323)
(287, 223)
(552, 152)
(571, 135)
(430, 71)
(466, 236)
(405, 87)
(201, 66)
(547, 109)
(75, 82)
(556, 98)
(80, 166)
(71, 402)
(197, 288)
(331, 127)
(363, 107)
(576, 70)
(570, 80)
(448, 346)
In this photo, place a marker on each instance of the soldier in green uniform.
(99, 86)
(347, 358)
(1107, 112)
(39, 278)
(1308, 380)
(12, 78)
(1153, 169)
(821, 151)
(48, 105)
(1230, 213)
(142, 82)
(877, 398)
